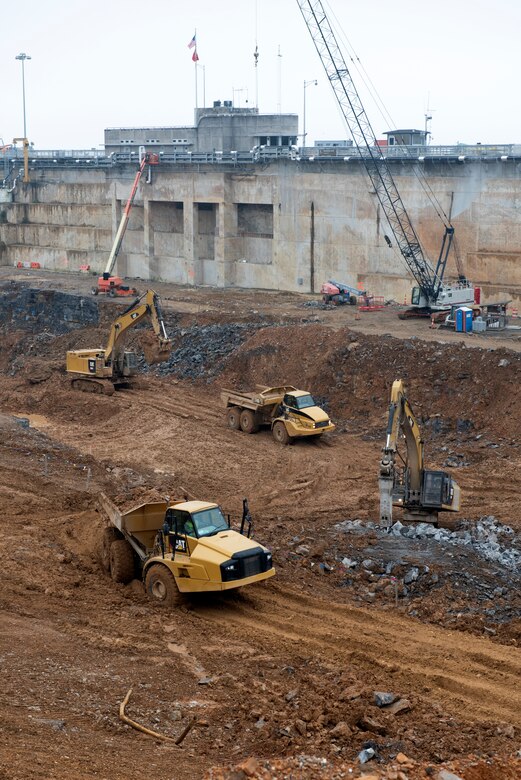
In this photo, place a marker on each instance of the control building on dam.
(272, 217)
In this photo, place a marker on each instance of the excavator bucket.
(155, 349)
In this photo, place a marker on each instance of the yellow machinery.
(290, 413)
(421, 492)
(181, 547)
(102, 370)
(25, 143)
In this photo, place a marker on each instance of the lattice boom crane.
(432, 292)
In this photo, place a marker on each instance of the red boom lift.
(113, 285)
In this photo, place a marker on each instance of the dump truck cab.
(182, 547)
(204, 549)
(300, 407)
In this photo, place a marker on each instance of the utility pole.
(23, 57)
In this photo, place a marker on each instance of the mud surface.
(281, 678)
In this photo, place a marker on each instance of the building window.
(255, 220)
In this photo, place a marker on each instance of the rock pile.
(201, 350)
(24, 308)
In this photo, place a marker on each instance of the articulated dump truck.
(289, 412)
(181, 547)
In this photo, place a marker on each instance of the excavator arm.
(420, 491)
(401, 422)
(147, 305)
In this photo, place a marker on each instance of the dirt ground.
(281, 677)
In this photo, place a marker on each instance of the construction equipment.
(113, 285)
(422, 493)
(431, 293)
(25, 144)
(103, 370)
(290, 413)
(339, 293)
(181, 547)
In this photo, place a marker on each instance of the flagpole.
(196, 99)
(256, 59)
(279, 107)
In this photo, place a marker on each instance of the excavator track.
(87, 385)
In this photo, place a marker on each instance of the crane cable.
(384, 113)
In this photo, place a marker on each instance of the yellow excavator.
(104, 370)
(421, 492)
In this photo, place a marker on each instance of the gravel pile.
(487, 537)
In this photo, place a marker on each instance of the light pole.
(306, 84)
(22, 57)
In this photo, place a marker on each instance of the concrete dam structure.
(282, 223)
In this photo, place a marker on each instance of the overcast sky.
(118, 64)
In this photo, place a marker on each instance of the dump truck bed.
(139, 524)
(261, 397)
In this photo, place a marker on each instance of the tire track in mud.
(472, 677)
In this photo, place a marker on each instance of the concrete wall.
(276, 227)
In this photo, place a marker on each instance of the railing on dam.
(88, 158)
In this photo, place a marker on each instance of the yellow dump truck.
(290, 413)
(181, 547)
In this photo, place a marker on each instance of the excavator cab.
(438, 490)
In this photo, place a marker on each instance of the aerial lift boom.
(431, 293)
(107, 282)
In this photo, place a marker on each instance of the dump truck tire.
(161, 587)
(122, 568)
(280, 433)
(233, 418)
(109, 535)
(248, 421)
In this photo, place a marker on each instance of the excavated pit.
(432, 616)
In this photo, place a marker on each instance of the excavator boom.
(421, 492)
(100, 370)
(147, 305)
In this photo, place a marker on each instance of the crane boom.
(429, 279)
